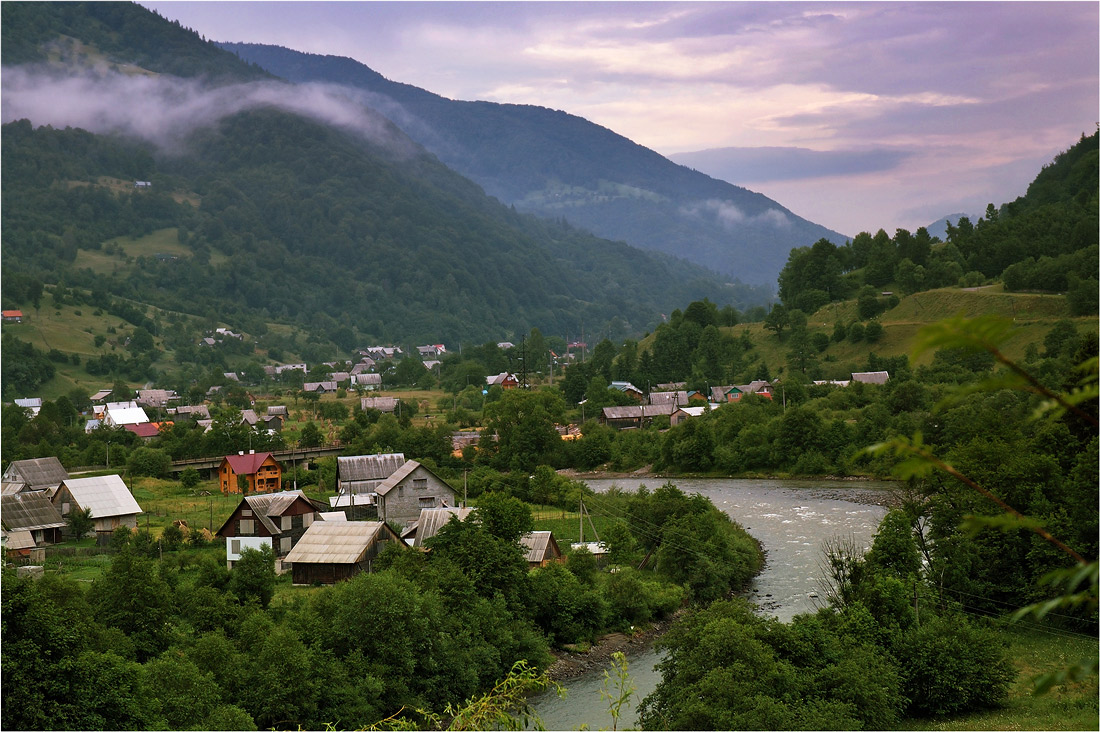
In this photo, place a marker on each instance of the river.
(790, 518)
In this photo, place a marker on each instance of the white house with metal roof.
(107, 497)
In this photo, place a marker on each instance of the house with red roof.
(12, 316)
(262, 471)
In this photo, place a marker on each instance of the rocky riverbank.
(573, 663)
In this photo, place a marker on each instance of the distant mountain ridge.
(275, 213)
(557, 165)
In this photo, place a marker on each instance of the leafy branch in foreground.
(1078, 584)
(505, 707)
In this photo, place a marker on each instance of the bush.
(189, 478)
(950, 666)
(873, 331)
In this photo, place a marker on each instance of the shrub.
(149, 461)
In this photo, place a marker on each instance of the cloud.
(741, 165)
(731, 216)
(165, 110)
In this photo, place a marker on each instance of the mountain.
(557, 165)
(274, 203)
(938, 228)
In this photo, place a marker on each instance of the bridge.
(291, 455)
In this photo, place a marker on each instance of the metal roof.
(29, 512)
(433, 519)
(638, 412)
(19, 540)
(382, 404)
(105, 495)
(37, 473)
(538, 545)
(247, 464)
(128, 415)
(368, 467)
(396, 477)
(871, 377)
(335, 542)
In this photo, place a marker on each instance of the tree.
(311, 436)
(253, 576)
(778, 319)
(504, 517)
(80, 521)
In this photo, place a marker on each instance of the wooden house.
(37, 474)
(675, 398)
(639, 416)
(32, 512)
(107, 497)
(409, 490)
(331, 551)
(361, 474)
(629, 389)
(541, 547)
(685, 413)
(277, 520)
(261, 469)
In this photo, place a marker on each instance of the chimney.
(240, 452)
(251, 452)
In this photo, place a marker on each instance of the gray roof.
(638, 412)
(250, 416)
(19, 540)
(433, 519)
(677, 398)
(198, 411)
(538, 544)
(396, 477)
(871, 377)
(335, 542)
(38, 473)
(368, 467)
(29, 511)
(277, 409)
(105, 495)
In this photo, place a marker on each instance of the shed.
(33, 513)
(331, 551)
(364, 473)
(106, 496)
(382, 404)
(542, 549)
(871, 377)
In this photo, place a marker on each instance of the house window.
(427, 502)
(285, 523)
(400, 491)
(246, 512)
(248, 526)
(307, 520)
(235, 547)
(284, 545)
(420, 484)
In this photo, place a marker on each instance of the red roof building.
(261, 470)
(12, 316)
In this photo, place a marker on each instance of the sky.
(855, 115)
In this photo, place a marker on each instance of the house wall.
(298, 517)
(420, 489)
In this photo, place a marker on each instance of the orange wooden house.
(261, 469)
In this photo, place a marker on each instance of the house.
(431, 351)
(684, 413)
(542, 549)
(291, 367)
(142, 184)
(226, 333)
(382, 404)
(672, 386)
(249, 417)
(17, 544)
(34, 404)
(148, 430)
(871, 377)
(232, 376)
(362, 474)
(695, 398)
(370, 382)
(367, 364)
(121, 416)
(409, 490)
(107, 497)
(629, 389)
(639, 416)
(505, 345)
(11, 316)
(262, 471)
(833, 382)
(432, 365)
(430, 522)
(34, 513)
(101, 396)
(330, 551)
(155, 398)
(197, 412)
(320, 387)
(503, 380)
(37, 474)
(278, 410)
(278, 520)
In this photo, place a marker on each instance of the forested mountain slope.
(556, 164)
(290, 205)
